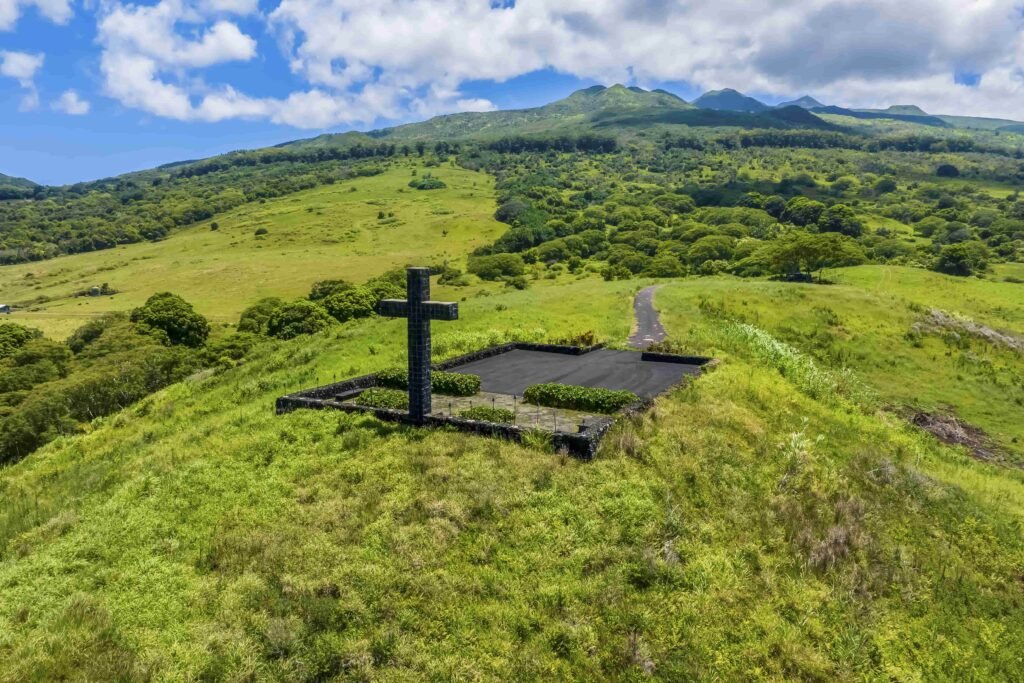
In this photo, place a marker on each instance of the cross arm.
(393, 308)
(441, 310)
(429, 310)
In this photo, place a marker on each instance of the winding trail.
(647, 330)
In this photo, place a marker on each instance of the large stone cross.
(419, 312)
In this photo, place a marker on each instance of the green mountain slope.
(788, 117)
(805, 102)
(978, 122)
(924, 120)
(11, 181)
(967, 122)
(15, 188)
(729, 100)
(569, 114)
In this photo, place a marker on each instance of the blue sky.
(92, 89)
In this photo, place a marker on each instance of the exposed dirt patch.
(951, 430)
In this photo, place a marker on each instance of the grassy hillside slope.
(325, 232)
(12, 181)
(878, 321)
(742, 529)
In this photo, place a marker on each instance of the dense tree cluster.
(329, 302)
(49, 388)
(695, 208)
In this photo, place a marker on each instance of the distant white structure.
(5, 308)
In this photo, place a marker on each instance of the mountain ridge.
(804, 102)
(14, 181)
(614, 110)
(728, 99)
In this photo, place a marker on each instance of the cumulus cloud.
(151, 32)
(146, 52)
(22, 67)
(362, 60)
(58, 11)
(782, 47)
(71, 103)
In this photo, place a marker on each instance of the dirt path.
(647, 328)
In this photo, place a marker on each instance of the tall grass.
(824, 384)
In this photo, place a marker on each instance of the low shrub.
(579, 398)
(351, 303)
(445, 383)
(586, 338)
(391, 399)
(497, 266)
(255, 318)
(298, 317)
(487, 414)
(427, 182)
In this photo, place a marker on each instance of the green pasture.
(327, 232)
(866, 322)
(740, 530)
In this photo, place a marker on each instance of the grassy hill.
(729, 100)
(311, 235)
(569, 114)
(805, 102)
(878, 321)
(616, 110)
(742, 529)
(11, 181)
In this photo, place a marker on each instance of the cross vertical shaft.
(418, 291)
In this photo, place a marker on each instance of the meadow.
(329, 231)
(875, 320)
(741, 529)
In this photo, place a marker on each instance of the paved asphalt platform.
(512, 372)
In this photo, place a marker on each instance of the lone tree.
(172, 315)
(803, 252)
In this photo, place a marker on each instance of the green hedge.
(487, 414)
(579, 398)
(384, 398)
(445, 383)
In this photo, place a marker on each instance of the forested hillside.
(39, 223)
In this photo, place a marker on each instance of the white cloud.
(361, 60)
(22, 67)
(146, 56)
(781, 47)
(71, 103)
(57, 11)
(150, 31)
(239, 7)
